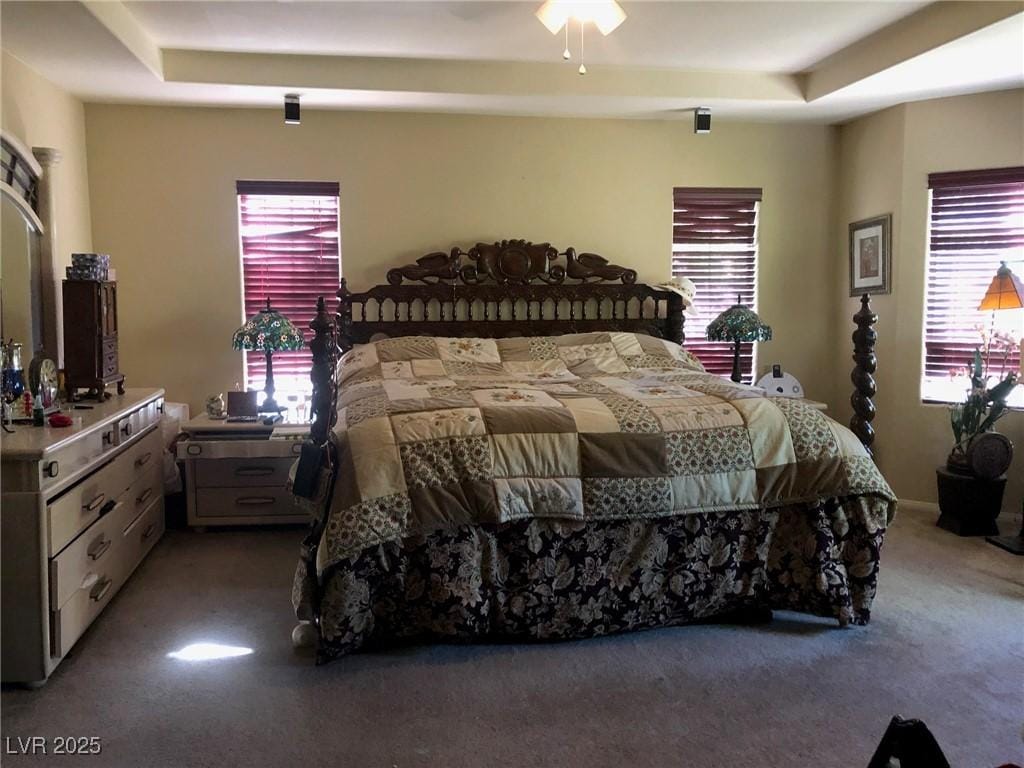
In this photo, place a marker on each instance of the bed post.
(864, 339)
(676, 319)
(324, 347)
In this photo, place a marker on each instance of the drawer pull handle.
(144, 459)
(193, 450)
(160, 407)
(93, 505)
(108, 438)
(126, 430)
(100, 590)
(144, 497)
(99, 548)
(254, 471)
(149, 531)
(254, 501)
(51, 468)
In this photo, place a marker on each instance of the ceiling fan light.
(554, 15)
(606, 15)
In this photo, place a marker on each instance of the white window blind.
(976, 221)
(290, 254)
(714, 244)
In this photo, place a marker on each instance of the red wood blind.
(290, 254)
(714, 244)
(976, 221)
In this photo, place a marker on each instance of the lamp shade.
(268, 331)
(738, 323)
(1005, 292)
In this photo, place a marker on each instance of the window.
(976, 221)
(714, 244)
(290, 255)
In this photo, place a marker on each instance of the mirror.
(22, 303)
(20, 279)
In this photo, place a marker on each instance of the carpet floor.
(946, 644)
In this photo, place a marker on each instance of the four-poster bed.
(518, 447)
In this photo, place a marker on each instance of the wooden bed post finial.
(862, 376)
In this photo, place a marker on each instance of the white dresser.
(81, 507)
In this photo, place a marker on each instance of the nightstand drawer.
(242, 473)
(245, 502)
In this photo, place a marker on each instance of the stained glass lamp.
(738, 324)
(268, 331)
(1005, 292)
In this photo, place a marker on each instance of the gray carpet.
(945, 645)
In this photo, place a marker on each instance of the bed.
(510, 443)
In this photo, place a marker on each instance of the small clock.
(42, 376)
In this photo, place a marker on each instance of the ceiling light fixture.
(606, 15)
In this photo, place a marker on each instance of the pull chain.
(583, 67)
(565, 54)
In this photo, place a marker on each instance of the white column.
(53, 314)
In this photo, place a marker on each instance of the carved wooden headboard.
(494, 290)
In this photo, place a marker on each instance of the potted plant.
(972, 482)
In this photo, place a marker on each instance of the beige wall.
(164, 207)
(42, 115)
(884, 162)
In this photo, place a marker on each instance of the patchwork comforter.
(437, 433)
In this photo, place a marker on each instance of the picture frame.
(871, 255)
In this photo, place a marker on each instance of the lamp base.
(270, 405)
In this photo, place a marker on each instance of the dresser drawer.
(140, 458)
(85, 604)
(136, 422)
(64, 462)
(142, 535)
(82, 504)
(97, 585)
(97, 545)
(244, 473)
(245, 502)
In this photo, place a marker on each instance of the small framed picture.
(871, 255)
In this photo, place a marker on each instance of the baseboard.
(913, 505)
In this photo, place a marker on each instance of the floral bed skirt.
(549, 579)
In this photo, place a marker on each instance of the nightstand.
(236, 472)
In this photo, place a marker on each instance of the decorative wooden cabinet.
(90, 336)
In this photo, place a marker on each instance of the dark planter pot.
(969, 505)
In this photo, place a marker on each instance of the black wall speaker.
(291, 109)
(702, 120)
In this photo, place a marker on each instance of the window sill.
(947, 393)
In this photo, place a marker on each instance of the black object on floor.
(1013, 544)
(910, 742)
(969, 505)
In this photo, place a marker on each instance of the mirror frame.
(36, 203)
